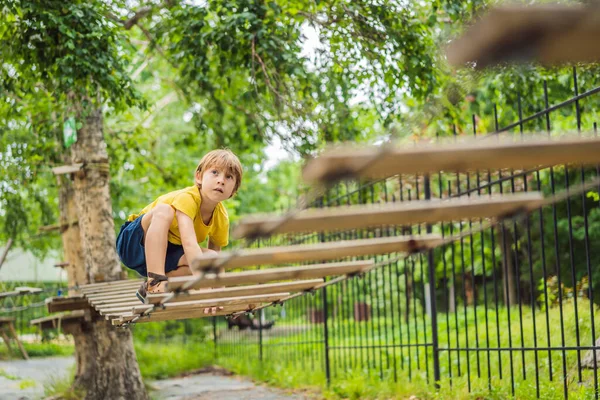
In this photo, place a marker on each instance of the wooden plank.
(73, 315)
(20, 291)
(95, 288)
(112, 291)
(123, 304)
(179, 315)
(194, 305)
(98, 303)
(6, 319)
(271, 274)
(112, 283)
(28, 289)
(406, 213)
(551, 34)
(468, 155)
(67, 169)
(317, 251)
(111, 296)
(268, 288)
(57, 304)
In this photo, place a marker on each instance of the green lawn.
(290, 362)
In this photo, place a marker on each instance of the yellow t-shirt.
(188, 201)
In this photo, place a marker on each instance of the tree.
(39, 59)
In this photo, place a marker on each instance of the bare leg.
(156, 226)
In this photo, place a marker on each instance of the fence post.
(260, 335)
(325, 314)
(434, 326)
(214, 326)
(326, 336)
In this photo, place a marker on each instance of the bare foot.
(161, 287)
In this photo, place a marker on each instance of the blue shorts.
(130, 248)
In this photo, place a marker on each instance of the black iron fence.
(510, 309)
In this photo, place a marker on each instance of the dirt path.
(25, 379)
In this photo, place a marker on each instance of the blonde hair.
(225, 160)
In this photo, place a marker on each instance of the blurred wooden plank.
(97, 303)
(272, 274)
(53, 321)
(196, 304)
(468, 155)
(111, 296)
(178, 315)
(71, 303)
(551, 34)
(221, 302)
(267, 288)
(400, 213)
(67, 169)
(99, 287)
(20, 291)
(317, 251)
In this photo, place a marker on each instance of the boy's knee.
(163, 212)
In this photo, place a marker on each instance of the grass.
(296, 360)
(160, 360)
(62, 387)
(37, 350)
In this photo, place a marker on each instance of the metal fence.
(509, 309)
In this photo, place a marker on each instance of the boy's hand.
(212, 310)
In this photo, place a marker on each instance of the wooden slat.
(97, 303)
(111, 296)
(194, 305)
(317, 252)
(407, 213)
(491, 153)
(272, 274)
(105, 285)
(95, 288)
(67, 169)
(112, 292)
(268, 288)
(178, 315)
(547, 33)
(126, 305)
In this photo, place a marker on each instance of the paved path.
(25, 379)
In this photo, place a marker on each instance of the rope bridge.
(250, 290)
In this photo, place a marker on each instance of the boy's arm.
(216, 248)
(191, 248)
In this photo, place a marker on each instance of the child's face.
(217, 184)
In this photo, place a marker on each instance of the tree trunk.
(469, 288)
(71, 238)
(6, 250)
(106, 363)
(505, 240)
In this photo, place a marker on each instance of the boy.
(163, 238)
